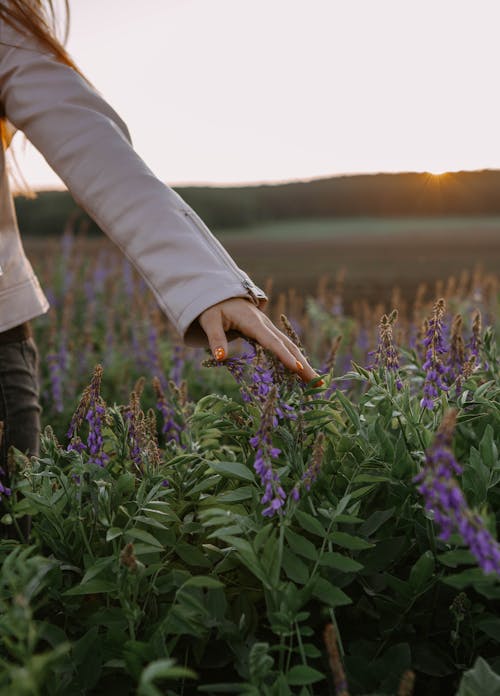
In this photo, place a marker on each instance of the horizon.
(283, 182)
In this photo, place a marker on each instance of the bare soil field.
(371, 266)
(370, 262)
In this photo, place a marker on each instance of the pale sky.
(228, 91)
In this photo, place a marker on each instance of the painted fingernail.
(219, 353)
(320, 383)
(299, 365)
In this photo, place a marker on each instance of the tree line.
(371, 195)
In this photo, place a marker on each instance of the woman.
(196, 283)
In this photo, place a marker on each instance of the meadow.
(203, 527)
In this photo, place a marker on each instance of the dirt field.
(373, 264)
(374, 255)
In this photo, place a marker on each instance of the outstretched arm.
(88, 145)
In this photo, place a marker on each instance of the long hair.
(36, 18)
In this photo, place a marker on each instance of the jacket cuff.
(188, 325)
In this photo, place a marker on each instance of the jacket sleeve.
(88, 146)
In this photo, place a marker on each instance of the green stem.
(85, 538)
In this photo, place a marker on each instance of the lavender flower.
(435, 348)
(456, 358)
(177, 363)
(312, 472)
(170, 428)
(386, 355)
(274, 495)
(474, 344)
(444, 498)
(95, 416)
(3, 489)
(92, 409)
(133, 438)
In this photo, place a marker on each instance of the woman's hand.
(240, 315)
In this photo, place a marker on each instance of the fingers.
(237, 314)
(307, 372)
(211, 323)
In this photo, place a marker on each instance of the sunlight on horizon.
(237, 92)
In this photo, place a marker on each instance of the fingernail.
(320, 383)
(219, 353)
(299, 365)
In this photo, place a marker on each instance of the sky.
(248, 91)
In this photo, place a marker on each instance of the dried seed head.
(139, 387)
(291, 333)
(407, 683)
(332, 355)
(127, 557)
(468, 367)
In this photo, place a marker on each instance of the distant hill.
(373, 195)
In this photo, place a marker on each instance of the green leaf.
(375, 521)
(452, 559)
(97, 568)
(349, 541)
(233, 470)
(479, 681)
(488, 448)
(422, 571)
(329, 594)
(239, 494)
(301, 675)
(300, 545)
(142, 535)
(471, 576)
(351, 411)
(95, 586)
(164, 669)
(294, 568)
(204, 581)
(491, 626)
(371, 478)
(310, 524)
(113, 532)
(332, 559)
(191, 555)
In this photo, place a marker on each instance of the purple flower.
(444, 498)
(95, 416)
(386, 355)
(92, 409)
(133, 437)
(274, 495)
(170, 428)
(312, 472)
(177, 364)
(456, 358)
(435, 348)
(475, 341)
(3, 489)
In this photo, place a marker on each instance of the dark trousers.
(19, 404)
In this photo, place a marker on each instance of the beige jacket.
(88, 145)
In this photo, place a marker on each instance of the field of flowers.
(202, 527)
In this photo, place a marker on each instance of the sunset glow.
(230, 92)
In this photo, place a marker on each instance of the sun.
(437, 172)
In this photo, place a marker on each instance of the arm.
(89, 147)
(195, 281)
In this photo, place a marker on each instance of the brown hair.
(36, 18)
